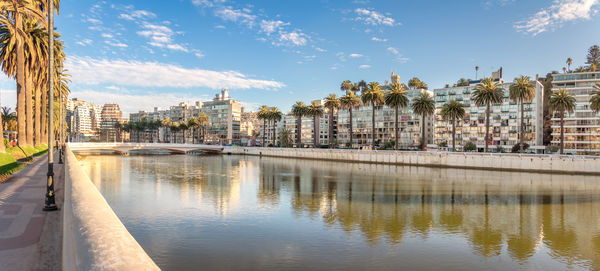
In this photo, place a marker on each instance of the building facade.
(110, 117)
(582, 127)
(504, 118)
(83, 120)
(224, 118)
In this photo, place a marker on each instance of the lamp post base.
(50, 203)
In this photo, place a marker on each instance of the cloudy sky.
(142, 54)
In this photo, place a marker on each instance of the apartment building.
(83, 119)
(582, 127)
(110, 117)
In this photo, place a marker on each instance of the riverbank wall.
(93, 236)
(564, 164)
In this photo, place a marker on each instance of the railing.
(93, 236)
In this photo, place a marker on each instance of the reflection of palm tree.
(521, 246)
(487, 241)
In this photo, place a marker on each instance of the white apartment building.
(83, 119)
(582, 127)
(504, 118)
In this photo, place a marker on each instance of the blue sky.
(142, 54)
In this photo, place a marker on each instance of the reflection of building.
(83, 119)
(582, 127)
(504, 118)
(111, 116)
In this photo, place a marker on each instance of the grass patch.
(15, 158)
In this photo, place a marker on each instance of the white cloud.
(397, 55)
(90, 71)
(269, 27)
(561, 11)
(107, 35)
(320, 49)
(292, 38)
(94, 21)
(393, 50)
(115, 43)
(236, 15)
(378, 39)
(373, 17)
(355, 55)
(160, 36)
(365, 66)
(137, 14)
(84, 42)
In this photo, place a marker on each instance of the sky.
(143, 54)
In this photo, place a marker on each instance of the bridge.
(126, 148)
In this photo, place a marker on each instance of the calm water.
(250, 213)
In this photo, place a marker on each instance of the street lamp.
(50, 203)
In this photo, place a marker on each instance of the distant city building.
(83, 119)
(504, 118)
(224, 117)
(110, 117)
(582, 127)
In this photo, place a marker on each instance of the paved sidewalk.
(30, 239)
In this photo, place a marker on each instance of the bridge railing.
(93, 236)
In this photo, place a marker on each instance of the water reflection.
(389, 216)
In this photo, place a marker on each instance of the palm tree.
(299, 110)
(374, 96)
(275, 115)
(562, 101)
(332, 103)
(203, 120)
(486, 93)
(564, 69)
(166, 123)
(595, 99)
(453, 111)
(476, 71)
(396, 99)
(424, 105)
(521, 91)
(362, 85)
(569, 62)
(315, 110)
(175, 127)
(263, 113)
(350, 101)
(415, 83)
(346, 85)
(193, 123)
(285, 137)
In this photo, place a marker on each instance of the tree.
(315, 110)
(396, 99)
(285, 138)
(203, 120)
(424, 105)
(569, 62)
(362, 85)
(522, 91)
(275, 115)
(564, 69)
(452, 111)
(415, 83)
(193, 123)
(488, 92)
(332, 103)
(374, 96)
(175, 127)
(299, 110)
(469, 146)
(562, 101)
(593, 56)
(595, 99)
(166, 123)
(476, 71)
(263, 113)
(346, 85)
(350, 101)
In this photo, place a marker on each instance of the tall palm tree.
(562, 101)
(166, 123)
(424, 105)
(522, 91)
(175, 127)
(453, 111)
(362, 85)
(315, 110)
(487, 93)
(285, 137)
(275, 115)
(415, 83)
(203, 120)
(569, 62)
(375, 97)
(595, 99)
(299, 110)
(476, 71)
(396, 99)
(346, 85)
(193, 123)
(332, 103)
(350, 101)
(263, 113)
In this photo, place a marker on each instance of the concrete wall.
(94, 238)
(512, 162)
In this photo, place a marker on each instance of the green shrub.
(499, 149)
(516, 147)
(470, 146)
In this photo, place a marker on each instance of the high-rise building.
(110, 117)
(224, 117)
(582, 127)
(83, 119)
(504, 118)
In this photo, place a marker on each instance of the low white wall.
(93, 236)
(514, 162)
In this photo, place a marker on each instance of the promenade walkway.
(30, 239)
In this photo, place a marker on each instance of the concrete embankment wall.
(513, 162)
(94, 238)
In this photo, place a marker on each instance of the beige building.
(110, 117)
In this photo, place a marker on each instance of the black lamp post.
(61, 138)
(50, 203)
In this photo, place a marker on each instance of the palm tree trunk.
(396, 128)
(2, 147)
(351, 135)
(44, 116)
(453, 135)
(37, 133)
(299, 132)
(315, 131)
(29, 107)
(521, 130)
(20, 74)
(562, 134)
(373, 127)
(487, 126)
(274, 134)
(331, 128)
(423, 133)
(264, 131)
